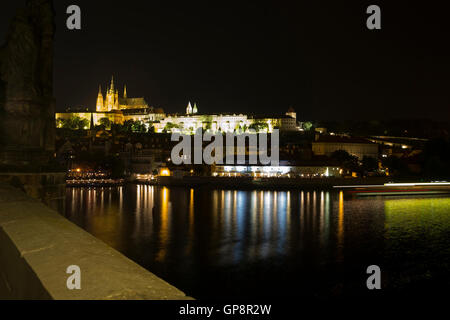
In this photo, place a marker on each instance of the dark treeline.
(417, 128)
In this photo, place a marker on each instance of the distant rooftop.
(261, 117)
(132, 101)
(137, 111)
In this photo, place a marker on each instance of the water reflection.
(341, 226)
(199, 239)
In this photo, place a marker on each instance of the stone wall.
(50, 188)
(37, 245)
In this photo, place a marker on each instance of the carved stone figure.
(26, 87)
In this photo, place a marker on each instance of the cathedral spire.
(189, 108)
(125, 92)
(100, 102)
(112, 84)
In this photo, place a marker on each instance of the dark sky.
(258, 56)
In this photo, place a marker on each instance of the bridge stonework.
(37, 245)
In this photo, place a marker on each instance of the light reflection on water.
(226, 243)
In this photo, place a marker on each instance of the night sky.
(257, 57)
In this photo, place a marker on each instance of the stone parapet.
(37, 245)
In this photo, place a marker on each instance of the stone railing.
(37, 245)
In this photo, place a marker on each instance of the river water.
(215, 244)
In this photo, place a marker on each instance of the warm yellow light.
(165, 173)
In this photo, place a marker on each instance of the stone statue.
(27, 106)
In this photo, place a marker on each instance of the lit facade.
(189, 123)
(118, 109)
(113, 102)
(193, 120)
(277, 171)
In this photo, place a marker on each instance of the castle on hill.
(113, 102)
(118, 109)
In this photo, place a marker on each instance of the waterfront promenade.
(263, 183)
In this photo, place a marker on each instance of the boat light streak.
(418, 184)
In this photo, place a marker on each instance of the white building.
(192, 120)
(277, 171)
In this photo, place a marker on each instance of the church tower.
(100, 103)
(110, 97)
(112, 101)
(189, 109)
(112, 84)
(116, 100)
(291, 113)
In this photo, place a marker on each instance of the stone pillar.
(27, 106)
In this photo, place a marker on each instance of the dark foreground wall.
(37, 245)
(49, 188)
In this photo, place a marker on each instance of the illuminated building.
(291, 113)
(193, 120)
(118, 109)
(190, 122)
(291, 171)
(164, 172)
(191, 110)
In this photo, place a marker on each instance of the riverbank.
(263, 183)
(95, 183)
